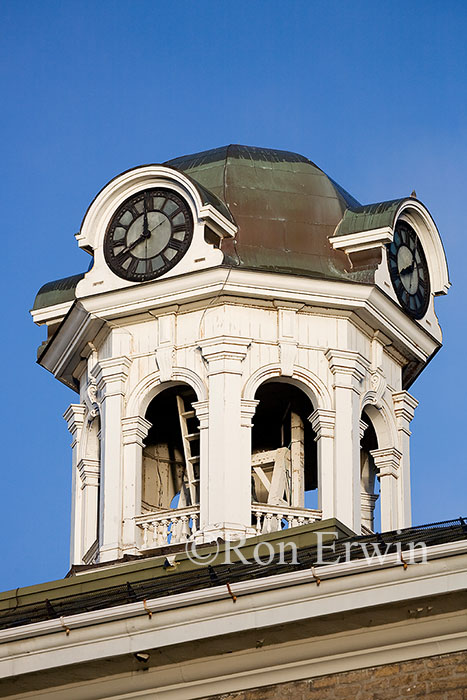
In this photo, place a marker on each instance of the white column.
(404, 408)
(226, 460)
(387, 463)
(74, 416)
(134, 430)
(111, 375)
(247, 412)
(323, 423)
(89, 472)
(349, 369)
(201, 409)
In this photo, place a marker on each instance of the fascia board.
(201, 614)
(370, 303)
(77, 328)
(49, 314)
(366, 301)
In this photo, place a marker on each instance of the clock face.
(148, 235)
(409, 270)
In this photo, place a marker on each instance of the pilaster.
(287, 336)
(111, 376)
(75, 416)
(349, 369)
(387, 461)
(225, 448)
(134, 431)
(88, 470)
(404, 409)
(323, 423)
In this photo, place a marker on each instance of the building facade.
(242, 349)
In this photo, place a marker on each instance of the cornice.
(365, 302)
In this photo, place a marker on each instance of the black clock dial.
(148, 235)
(409, 270)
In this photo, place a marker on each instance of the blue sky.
(373, 92)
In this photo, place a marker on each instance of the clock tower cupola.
(242, 350)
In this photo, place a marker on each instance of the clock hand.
(135, 243)
(156, 226)
(408, 269)
(146, 231)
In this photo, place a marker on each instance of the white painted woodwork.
(223, 332)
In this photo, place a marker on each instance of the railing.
(170, 526)
(176, 525)
(275, 518)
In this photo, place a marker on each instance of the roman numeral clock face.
(409, 270)
(148, 235)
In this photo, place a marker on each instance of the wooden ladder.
(190, 477)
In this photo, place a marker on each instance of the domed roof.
(285, 207)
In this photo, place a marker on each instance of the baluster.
(184, 528)
(165, 531)
(301, 520)
(152, 531)
(258, 522)
(161, 533)
(174, 530)
(145, 527)
(290, 521)
(268, 523)
(279, 521)
(194, 521)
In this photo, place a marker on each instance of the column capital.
(135, 429)
(387, 461)
(201, 409)
(74, 416)
(89, 470)
(111, 374)
(247, 411)
(404, 406)
(348, 367)
(363, 426)
(323, 422)
(224, 353)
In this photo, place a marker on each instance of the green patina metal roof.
(285, 207)
(57, 292)
(370, 216)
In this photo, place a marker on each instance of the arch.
(382, 420)
(302, 378)
(418, 216)
(125, 185)
(143, 393)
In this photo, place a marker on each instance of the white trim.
(362, 240)
(418, 216)
(380, 583)
(51, 314)
(132, 181)
(278, 663)
(367, 301)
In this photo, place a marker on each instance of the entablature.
(363, 303)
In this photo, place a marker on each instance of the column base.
(225, 531)
(109, 553)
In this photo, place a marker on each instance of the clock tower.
(242, 349)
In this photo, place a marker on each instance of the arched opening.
(369, 481)
(284, 452)
(170, 476)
